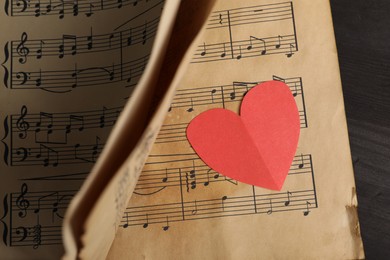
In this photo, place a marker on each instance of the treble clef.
(21, 202)
(22, 50)
(21, 124)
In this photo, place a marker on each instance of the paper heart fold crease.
(256, 147)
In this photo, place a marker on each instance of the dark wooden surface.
(362, 29)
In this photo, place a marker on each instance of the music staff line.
(36, 236)
(252, 47)
(80, 77)
(250, 15)
(195, 172)
(226, 206)
(72, 45)
(61, 8)
(52, 123)
(25, 202)
(56, 155)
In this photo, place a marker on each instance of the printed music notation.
(25, 59)
(189, 171)
(48, 124)
(45, 209)
(251, 45)
(221, 96)
(65, 80)
(71, 45)
(46, 155)
(225, 206)
(62, 8)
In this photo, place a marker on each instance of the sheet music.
(68, 69)
(183, 209)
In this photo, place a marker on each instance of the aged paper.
(182, 209)
(93, 230)
(68, 69)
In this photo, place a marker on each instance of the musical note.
(239, 56)
(126, 225)
(302, 164)
(73, 47)
(290, 54)
(119, 3)
(146, 224)
(270, 211)
(90, 12)
(195, 210)
(287, 203)
(144, 33)
(38, 81)
(21, 202)
(39, 51)
(22, 50)
(277, 46)
(37, 230)
(90, 40)
(166, 227)
(203, 53)
(38, 9)
(307, 211)
(223, 202)
(206, 183)
(45, 119)
(21, 124)
(102, 118)
(48, 158)
(264, 46)
(165, 179)
(191, 108)
(223, 54)
(95, 149)
(75, 120)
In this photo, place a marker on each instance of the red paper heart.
(257, 147)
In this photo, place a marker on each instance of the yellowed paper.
(94, 243)
(180, 208)
(68, 69)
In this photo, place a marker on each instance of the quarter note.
(191, 108)
(270, 211)
(223, 202)
(95, 149)
(126, 225)
(146, 224)
(288, 199)
(90, 41)
(39, 51)
(302, 164)
(38, 9)
(277, 46)
(239, 56)
(144, 33)
(307, 211)
(75, 7)
(165, 179)
(102, 119)
(195, 210)
(223, 54)
(166, 227)
(130, 38)
(290, 53)
(203, 53)
(90, 12)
